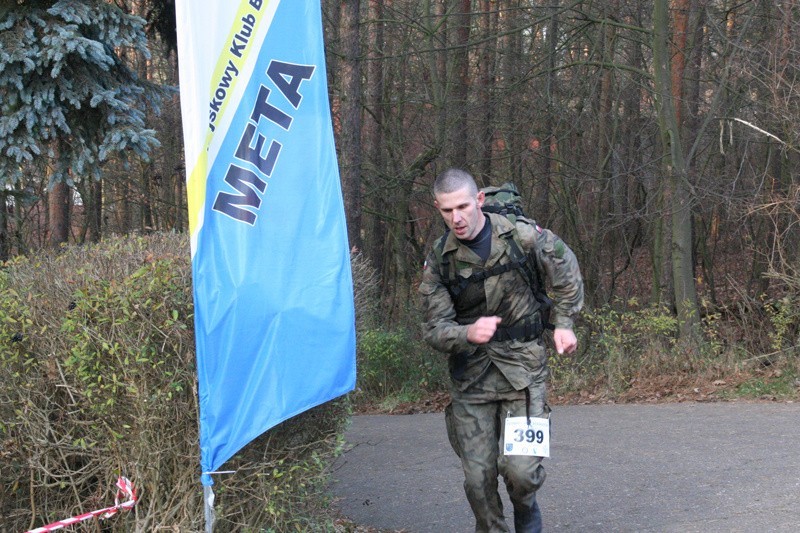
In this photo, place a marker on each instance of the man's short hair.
(454, 179)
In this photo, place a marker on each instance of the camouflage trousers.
(475, 426)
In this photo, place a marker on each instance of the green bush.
(617, 343)
(396, 364)
(97, 380)
(784, 317)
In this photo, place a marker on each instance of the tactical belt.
(527, 331)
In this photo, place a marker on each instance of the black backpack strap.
(447, 274)
(456, 286)
(507, 210)
(535, 281)
(519, 260)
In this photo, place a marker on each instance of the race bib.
(524, 439)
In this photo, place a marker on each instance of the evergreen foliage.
(67, 96)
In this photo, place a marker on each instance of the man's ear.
(481, 198)
(436, 204)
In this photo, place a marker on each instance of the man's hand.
(565, 340)
(482, 330)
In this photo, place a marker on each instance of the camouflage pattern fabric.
(475, 426)
(504, 199)
(507, 295)
(488, 381)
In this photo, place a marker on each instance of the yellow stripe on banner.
(196, 191)
(238, 48)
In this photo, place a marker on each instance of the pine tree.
(67, 97)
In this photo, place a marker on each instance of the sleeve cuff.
(564, 322)
(462, 339)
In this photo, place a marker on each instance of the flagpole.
(255, 112)
(208, 501)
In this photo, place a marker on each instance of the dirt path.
(707, 467)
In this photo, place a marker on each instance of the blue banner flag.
(274, 317)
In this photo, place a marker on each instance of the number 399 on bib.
(523, 439)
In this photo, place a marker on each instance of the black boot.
(528, 520)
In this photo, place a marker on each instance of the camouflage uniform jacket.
(507, 295)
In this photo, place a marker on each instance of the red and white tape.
(125, 489)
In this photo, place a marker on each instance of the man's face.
(461, 212)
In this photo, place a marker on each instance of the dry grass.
(97, 379)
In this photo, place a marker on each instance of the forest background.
(659, 139)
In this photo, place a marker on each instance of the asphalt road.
(709, 467)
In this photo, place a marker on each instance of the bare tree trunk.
(512, 66)
(146, 207)
(486, 79)
(460, 91)
(350, 138)
(94, 211)
(399, 234)
(436, 14)
(332, 14)
(373, 136)
(694, 45)
(602, 246)
(59, 214)
(123, 210)
(549, 148)
(148, 168)
(4, 240)
(659, 251)
(668, 92)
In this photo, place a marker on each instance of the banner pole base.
(208, 499)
